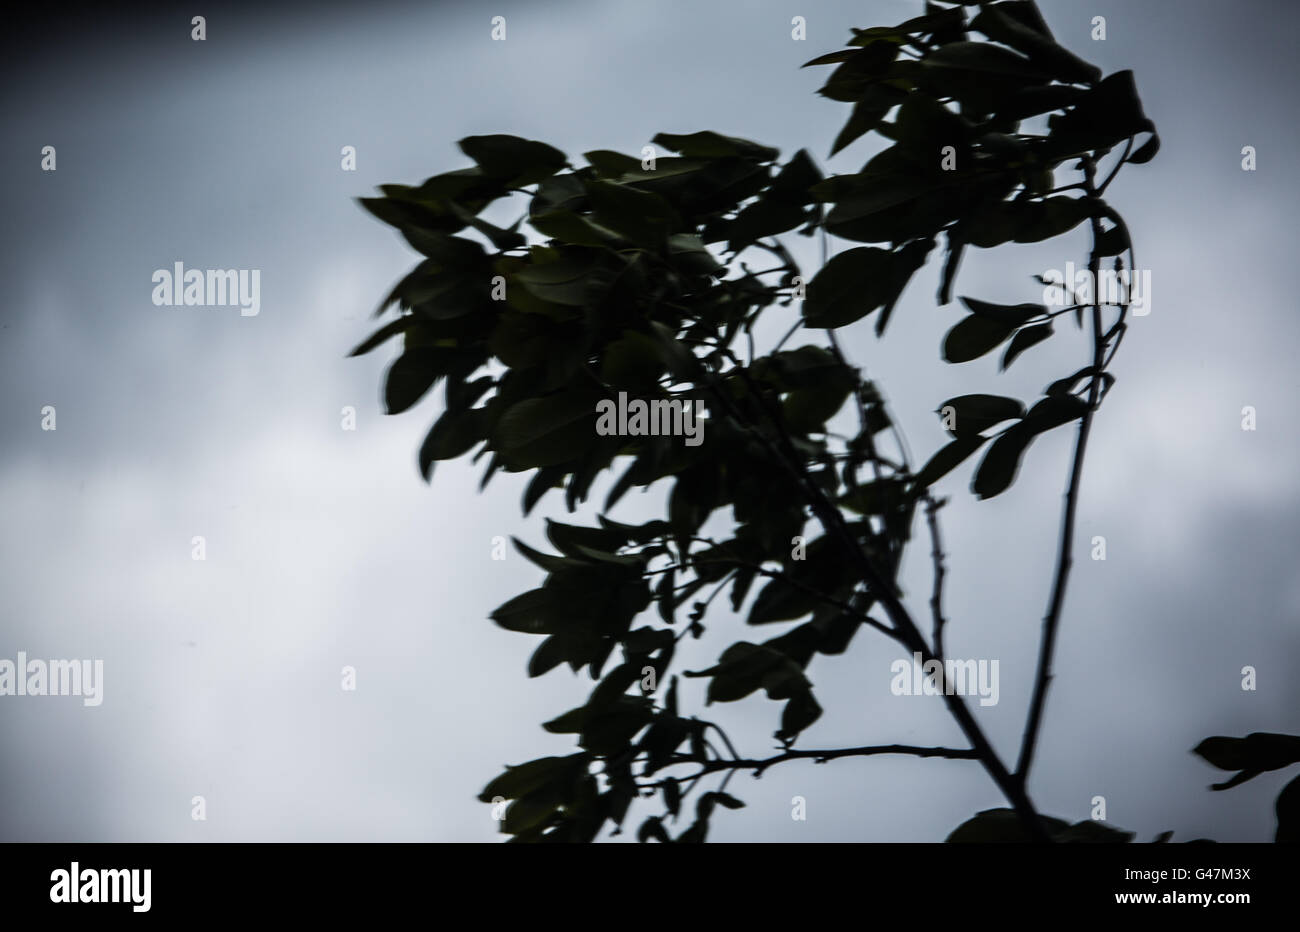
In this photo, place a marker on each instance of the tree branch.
(905, 630)
(1065, 556)
(821, 757)
(932, 507)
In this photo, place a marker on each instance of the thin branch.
(725, 740)
(863, 431)
(1128, 147)
(788, 334)
(1065, 557)
(932, 507)
(722, 584)
(821, 757)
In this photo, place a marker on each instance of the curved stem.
(1065, 555)
(758, 766)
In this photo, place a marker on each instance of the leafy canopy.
(633, 277)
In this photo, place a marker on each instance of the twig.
(821, 757)
(1065, 558)
(936, 555)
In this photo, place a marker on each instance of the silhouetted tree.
(636, 285)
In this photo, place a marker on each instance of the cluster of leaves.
(1252, 755)
(625, 296)
(633, 282)
(974, 176)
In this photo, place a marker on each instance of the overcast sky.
(325, 549)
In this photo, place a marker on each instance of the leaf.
(707, 144)
(996, 23)
(571, 280)
(874, 498)
(632, 362)
(498, 237)
(905, 262)
(1112, 242)
(689, 254)
(643, 217)
(548, 430)
(389, 330)
(1224, 753)
(808, 409)
(1090, 831)
(860, 71)
(533, 612)
(973, 337)
(409, 377)
(1236, 780)
(1000, 826)
(1107, 114)
(1053, 411)
(1025, 221)
(780, 601)
(1040, 220)
(1027, 14)
(998, 469)
(1147, 151)
(1257, 751)
(973, 414)
(1025, 338)
(869, 110)
(800, 712)
(868, 193)
(652, 828)
(1066, 385)
(851, 285)
(635, 533)
(453, 434)
(1036, 99)
(549, 654)
(923, 126)
(526, 778)
(520, 161)
(545, 479)
(739, 671)
(570, 227)
(725, 800)
(676, 355)
(547, 561)
(947, 459)
(831, 58)
(612, 164)
(983, 57)
(572, 539)
(1014, 314)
